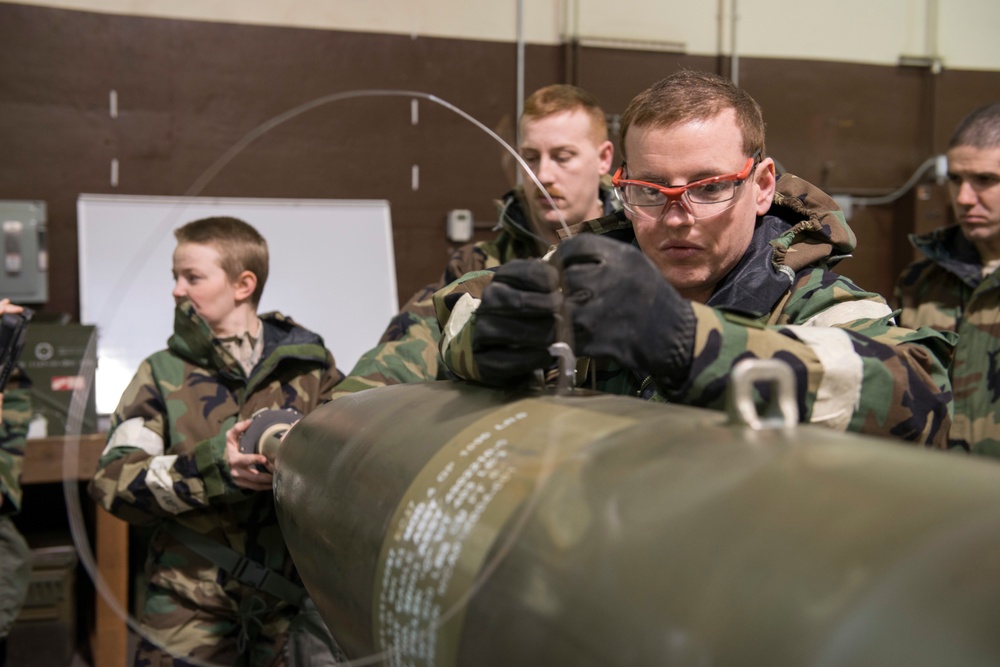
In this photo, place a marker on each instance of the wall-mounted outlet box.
(459, 227)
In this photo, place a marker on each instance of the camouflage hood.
(948, 248)
(193, 341)
(803, 228)
(820, 232)
(515, 226)
(513, 212)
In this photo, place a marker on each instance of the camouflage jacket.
(947, 291)
(13, 431)
(15, 556)
(165, 459)
(408, 350)
(855, 369)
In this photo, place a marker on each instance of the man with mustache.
(956, 286)
(726, 260)
(564, 140)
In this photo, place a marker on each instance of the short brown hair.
(980, 129)
(689, 96)
(241, 247)
(564, 97)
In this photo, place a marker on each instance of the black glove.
(516, 321)
(623, 308)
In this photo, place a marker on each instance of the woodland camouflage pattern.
(408, 350)
(165, 461)
(13, 431)
(948, 292)
(856, 370)
(15, 556)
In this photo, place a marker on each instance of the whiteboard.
(332, 270)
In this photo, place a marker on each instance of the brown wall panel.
(956, 94)
(189, 91)
(830, 123)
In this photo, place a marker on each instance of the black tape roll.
(267, 425)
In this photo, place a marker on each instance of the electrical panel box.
(24, 275)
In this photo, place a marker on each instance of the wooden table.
(43, 463)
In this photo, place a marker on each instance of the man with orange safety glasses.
(726, 260)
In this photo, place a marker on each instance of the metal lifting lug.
(781, 411)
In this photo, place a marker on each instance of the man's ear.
(764, 179)
(606, 151)
(245, 285)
